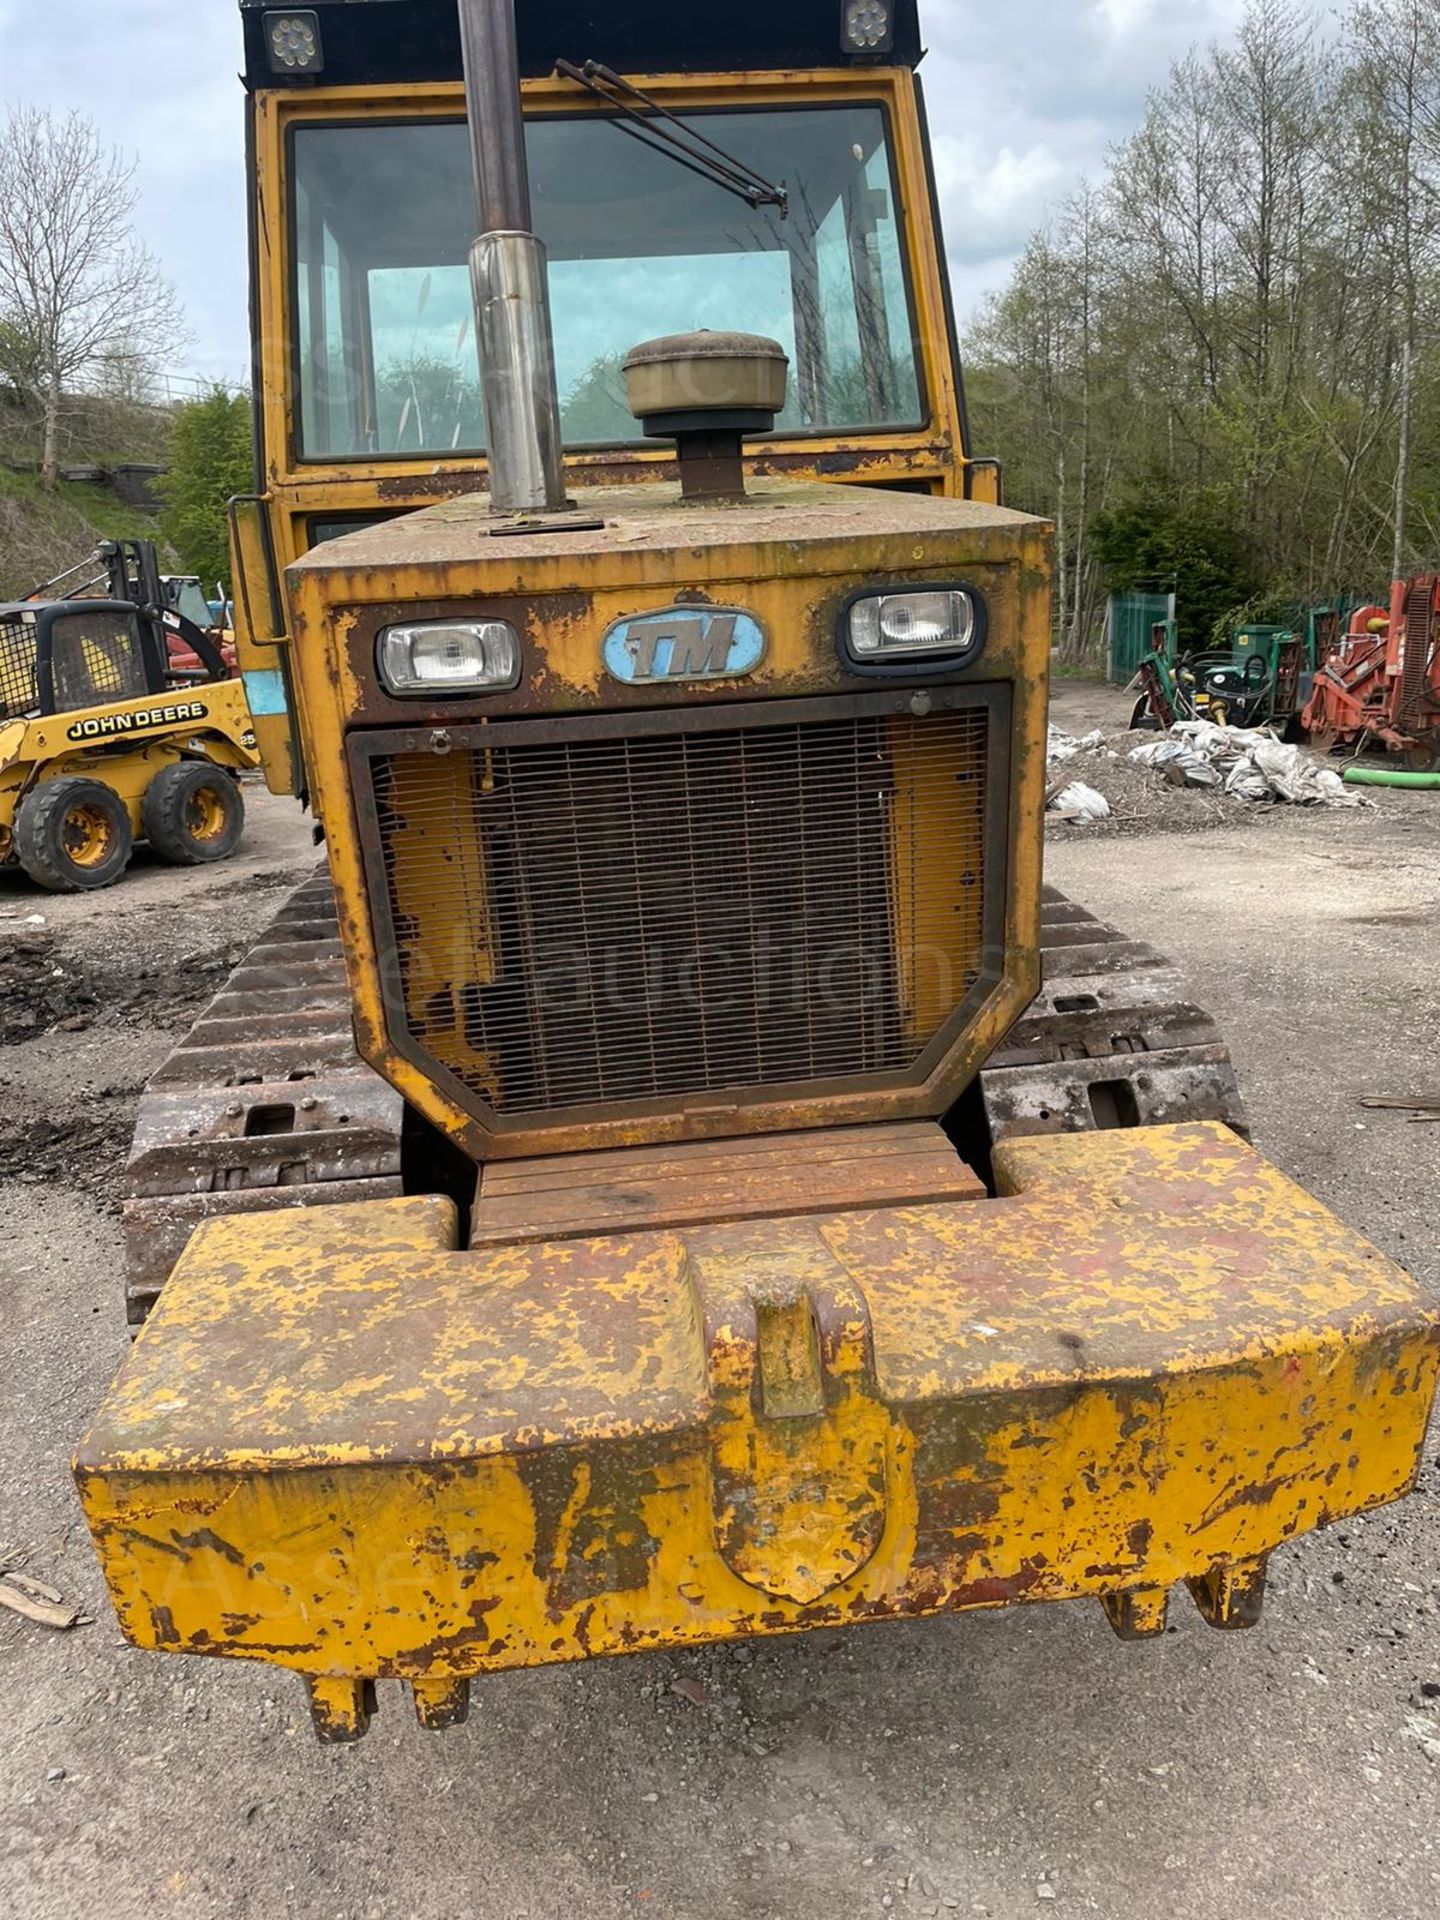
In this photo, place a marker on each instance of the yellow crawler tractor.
(679, 1175)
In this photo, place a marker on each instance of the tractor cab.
(185, 595)
(755, 168)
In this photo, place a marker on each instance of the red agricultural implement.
(1381, 685)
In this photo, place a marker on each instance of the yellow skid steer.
(103, 744)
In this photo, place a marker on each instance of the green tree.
(22, 364)
(1220, 362)
(211, 460)
(1150, 548)
(427, 405)
(596, 410)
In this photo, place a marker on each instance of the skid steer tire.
(193, 812)
(72, 835)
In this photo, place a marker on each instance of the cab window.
(638, 247)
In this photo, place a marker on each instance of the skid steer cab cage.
(66, 656)
(342, 1447)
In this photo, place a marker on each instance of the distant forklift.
(107, 737)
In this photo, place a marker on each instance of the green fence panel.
(1129, 620)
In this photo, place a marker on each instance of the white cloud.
(1027, 100)
(993, 194)
(1121, 15)
(974, 281)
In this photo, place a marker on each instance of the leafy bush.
(211, 460)
(1152, 547)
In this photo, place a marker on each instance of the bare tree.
(1226, 351)
(79, 294)
(1401, 75)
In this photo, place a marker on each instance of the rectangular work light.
(943, 624)
(293, 43)
(450, 656)
(867, 26)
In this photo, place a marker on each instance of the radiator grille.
(591, 921)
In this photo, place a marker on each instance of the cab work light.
(867, 26)
(293, 42)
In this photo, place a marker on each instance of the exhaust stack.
(508, 275)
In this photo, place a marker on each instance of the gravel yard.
(998, 1764)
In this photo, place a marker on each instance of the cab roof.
(390, 42)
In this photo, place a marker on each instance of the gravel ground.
(991, 1765)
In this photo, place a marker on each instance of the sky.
(1025, 99)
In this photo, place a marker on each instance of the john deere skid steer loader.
(679, 1175)
(107, 738)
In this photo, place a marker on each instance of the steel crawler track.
(265, 1102)
(1111, 1040)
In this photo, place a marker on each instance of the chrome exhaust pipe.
(508, 275)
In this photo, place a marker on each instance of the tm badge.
(684, 643)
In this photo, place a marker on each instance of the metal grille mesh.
(592, 921)
(18, 693)
(96, 658)
(1419, 638)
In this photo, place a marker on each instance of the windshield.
(187, 597)
(639, 247)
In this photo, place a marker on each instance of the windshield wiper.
(656, 127)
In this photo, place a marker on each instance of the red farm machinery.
(1381, 684)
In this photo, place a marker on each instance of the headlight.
(943, 624)
(450, 656)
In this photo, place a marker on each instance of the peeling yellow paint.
(792, 562)
(345, 1448)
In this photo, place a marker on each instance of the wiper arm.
(656, 127)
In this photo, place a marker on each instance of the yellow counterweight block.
(343, 1447)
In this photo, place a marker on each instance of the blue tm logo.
(684, 643)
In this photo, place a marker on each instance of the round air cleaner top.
(705, 391)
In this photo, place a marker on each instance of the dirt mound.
(45, 988)
(82, 1149)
